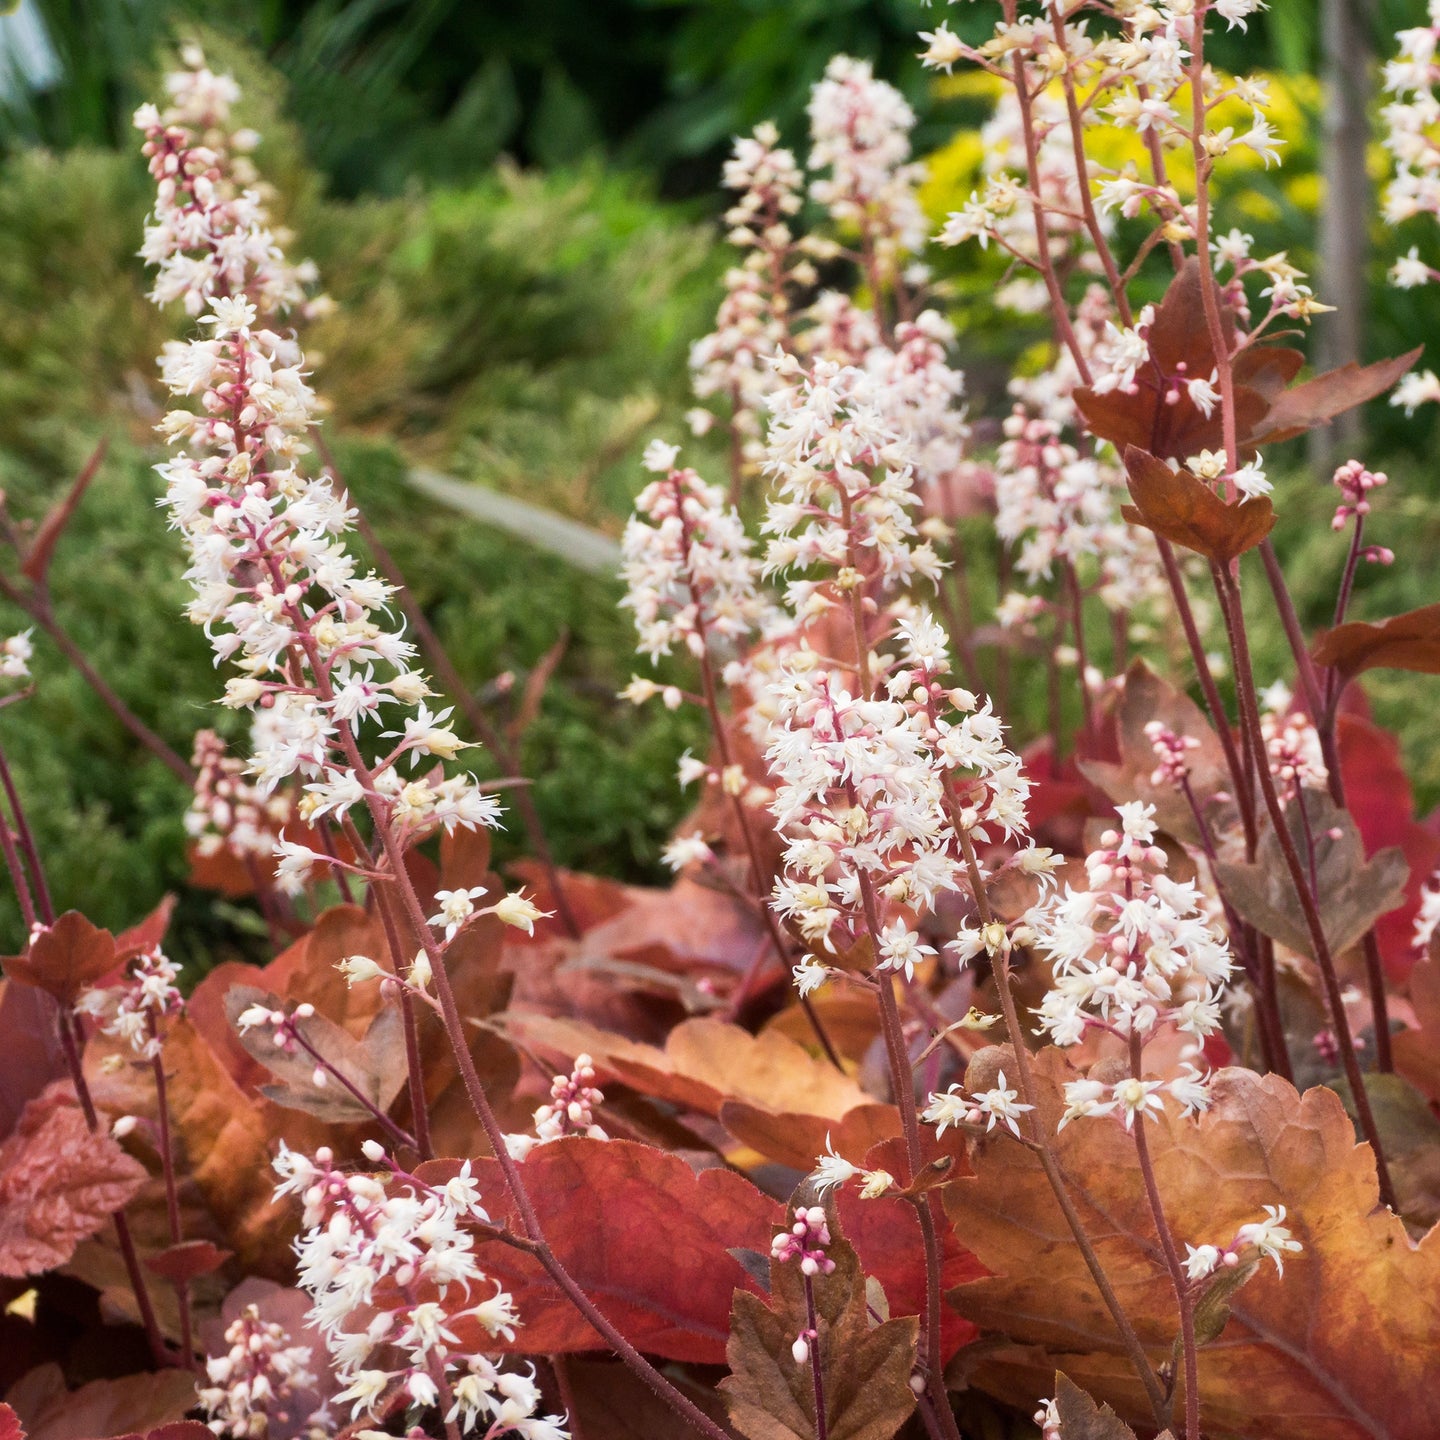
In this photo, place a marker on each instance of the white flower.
(832, 1169)
(1000, 1103)
(456, 907)
(946, 1110)
(1201, 1260)
(1137, 1097)
(900, 949)
(1270, 1236)
(660, 457)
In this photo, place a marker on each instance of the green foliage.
(522, 331)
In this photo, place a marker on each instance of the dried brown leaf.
(374, 1064)
(1320, 400)
(64, 958)
(705, 1062)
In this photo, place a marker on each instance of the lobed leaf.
(1187, 512)
(1403, 642)
(59, 1184)
(1352, 893)
(1338, 1348)
(866, 1368)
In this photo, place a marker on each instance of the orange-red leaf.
(1341, 1346)
(187, 1261)
(65, 958)
(1403, 642)
(104, 1409)
(1318, 401)
(59, 1183)
(1187, 512)
(647, 1239)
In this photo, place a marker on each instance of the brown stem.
(26, 838)
(158, 1350)
(1128, 1338)
(1178, 1281)
(1229, 591)
(18, 878)
(817, 1376)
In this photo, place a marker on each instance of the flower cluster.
(1410, 121)
(570, 1111)
(804, 1242)
(1268, 1239)
(999, 1104)
(274, 585)
(15, 653)
(870, 793)
(133, 1009)
(226, 811)
(210, 235)
(253, 1385)
(844, 484)
(393, 1255)
(687, 568)
(1129, 952)
(860, 132)
(753, 323)
(1292, 745)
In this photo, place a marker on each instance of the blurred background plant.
(515, 208)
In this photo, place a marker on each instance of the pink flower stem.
(1178, 1280)
(414, 1066)
(18, 878)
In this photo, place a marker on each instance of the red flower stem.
(37, 606)
(414, 1066)
(26, 838)
(1000, 966)
(1229, 591)
(817, 1375)
(475, 1090)
(18, 877)
(1244, 799)
(1077, 622)
(159, 1352)
(491, 736)
(172, 1201)
(1178, 1280)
